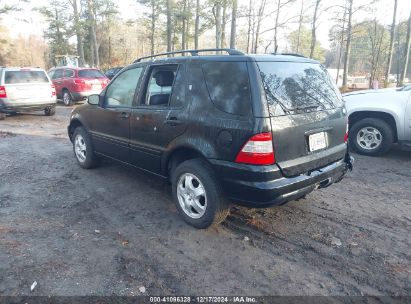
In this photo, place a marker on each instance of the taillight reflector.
(257, 151)
(346, 133)
(3, 93)
(53, 90)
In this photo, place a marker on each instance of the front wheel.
(371, 136)
(197, 194)
(83, 149)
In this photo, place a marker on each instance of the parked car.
(26, 89)
(113, 72)
(76, 84)
(378, 119)
(256, 130)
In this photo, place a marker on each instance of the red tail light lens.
(53, 90)
(346, 133)
(79, 81)
(257, 151)
(3, 93)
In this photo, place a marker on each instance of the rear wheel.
(197, 194)
(371, 136)
(67, 99)
(50, 111)
(83, 149)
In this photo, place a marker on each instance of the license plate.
(317, 141)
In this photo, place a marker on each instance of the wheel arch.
(387, 117)
(74, 123)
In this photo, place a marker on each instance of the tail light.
(257, 151)
(3, 93)
(53, 90)
(79, 81)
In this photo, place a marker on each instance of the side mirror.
(94, 100)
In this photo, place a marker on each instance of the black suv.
(259, 130)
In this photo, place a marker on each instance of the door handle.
(172, 121)
(124, 115)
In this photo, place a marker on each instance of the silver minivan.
(26, 89)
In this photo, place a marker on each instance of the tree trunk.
(300, 25)
(277, 18)
(407, 53)
(218, 25)
(93, 32)
(259, 19)
(249, 38)
(391, 49)
(80, 49)
(314, 29)
(153, 26)
(223, 25)
(233, 32)
(169, 26)
(184, 26)
(197, 25)
(348, 45)
(341, 43)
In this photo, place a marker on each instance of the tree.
(314, 28)
(300, 24)
(349, 12)
(233, 32)
(407, 52)
(92, 26)
(392, 36)
(169, 24)
(197, 25)
(301, 38)
(260, 16)
(78, 30)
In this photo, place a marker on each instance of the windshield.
(295, 87)
(13, 77)
(90, 74)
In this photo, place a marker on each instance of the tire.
(50, 111)
(198, 173)
(2, 116)
(67, 99)
(82, 146)
(379, 141)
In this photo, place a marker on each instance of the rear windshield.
(90, 74)
(295, 87)
(13, 77)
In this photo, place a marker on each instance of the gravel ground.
(113, 230)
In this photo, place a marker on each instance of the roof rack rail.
(290, 54)
(230, 52)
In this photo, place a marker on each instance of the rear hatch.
(307, 117)
(27, 86)
(94, 80)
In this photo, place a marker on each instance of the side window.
(58, 74)
(228, 86)
(160, 85)
(68, 73)
(121, 91)
(51, 74)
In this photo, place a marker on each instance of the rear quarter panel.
(391, 102)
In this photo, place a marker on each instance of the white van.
(26, 89)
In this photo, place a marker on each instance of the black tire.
(385, 130)
(50, 111)
(217, 207)
(67, 99)
(91, 159)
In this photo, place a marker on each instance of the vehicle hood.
(379, 91)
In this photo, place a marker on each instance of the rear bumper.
(80, 96)
(10, 107)
(265, 186)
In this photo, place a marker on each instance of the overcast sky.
(29, 22)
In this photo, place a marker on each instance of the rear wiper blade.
(305, 108)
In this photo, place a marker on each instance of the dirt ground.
(113, 230)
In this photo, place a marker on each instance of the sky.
(29, 22)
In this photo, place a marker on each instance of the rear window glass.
(229, 87)
(90, 74)
(295, 87)
(12, 77)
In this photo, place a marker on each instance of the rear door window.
(229, 86)
(298, 87)
(57, 74)
(68, 73)
(14, 77)
(90, 74)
